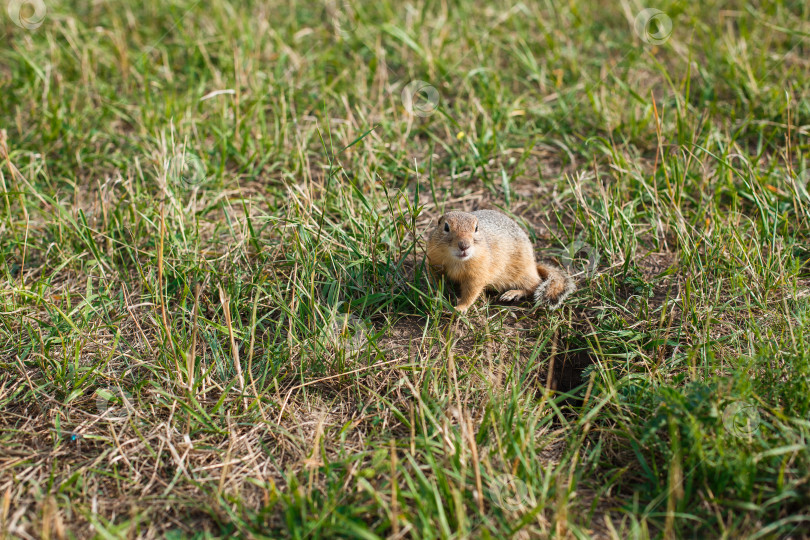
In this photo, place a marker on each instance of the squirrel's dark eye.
(476, 227)
(446, 227)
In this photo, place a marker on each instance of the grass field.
(215, 319)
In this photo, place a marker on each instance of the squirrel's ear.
(441, 219)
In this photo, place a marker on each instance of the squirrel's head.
(459, 230)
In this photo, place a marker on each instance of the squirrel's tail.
(555, 287)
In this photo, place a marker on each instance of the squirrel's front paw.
(462, 308)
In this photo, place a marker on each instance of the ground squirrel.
(487, 249)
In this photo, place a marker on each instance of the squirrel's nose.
(463, 246)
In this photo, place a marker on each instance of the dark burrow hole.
(568, 376)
